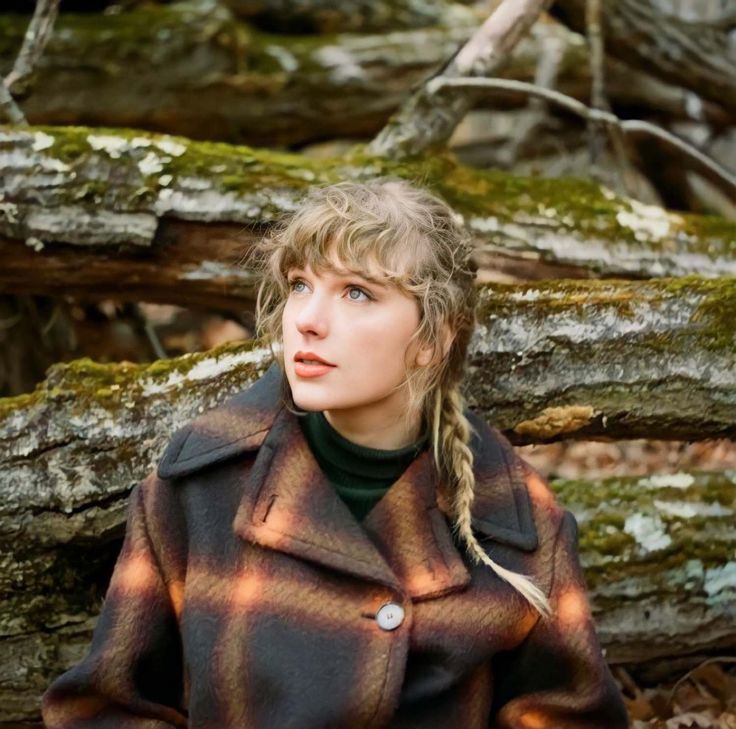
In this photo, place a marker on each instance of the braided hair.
(423, 248)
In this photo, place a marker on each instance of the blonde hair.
(422, 248)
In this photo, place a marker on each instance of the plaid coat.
(247, 596)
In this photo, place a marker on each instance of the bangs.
(380, 249)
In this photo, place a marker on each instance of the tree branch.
(597, 92)
(705, 165)
(9, 110)
(34, 42)
(422, 122)
(695, 55)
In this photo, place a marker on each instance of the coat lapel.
(287, 503)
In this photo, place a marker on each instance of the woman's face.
(362, 328)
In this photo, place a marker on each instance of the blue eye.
(298, 281)
(356, 288)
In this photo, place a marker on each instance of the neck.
(376, 429)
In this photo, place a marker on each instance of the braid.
(423, 247)
(454, 436)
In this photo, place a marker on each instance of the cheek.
(378, 348)
(286, 317)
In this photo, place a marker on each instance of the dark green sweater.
(360, 475)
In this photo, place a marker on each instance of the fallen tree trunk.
(73, 449)
(72, 459)
(607, 359)
(659, 561)
(695, 55)
(600, 359)
(326, 16)
(190, 264)
(180, 215)
(193, 68)
(657, 552)
(196, 70)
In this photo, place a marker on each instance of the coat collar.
(289, 505)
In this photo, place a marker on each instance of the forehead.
(368, 269)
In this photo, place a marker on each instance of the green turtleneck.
(360, 475)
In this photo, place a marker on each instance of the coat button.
(390, 616)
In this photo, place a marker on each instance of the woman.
(345, 544)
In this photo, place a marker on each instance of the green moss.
(237, 169)
(502, 300)
(717, 314)
(574, 207)
(129, 37)
(71, 147)
(713, 302)
(9, 405)
(84, 382)
(580, 208)
(613, 554)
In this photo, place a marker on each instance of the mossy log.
(607, 359)
(193, 68)
(659, 555)
(658, 552)
(77, 446)
(110, 213)
(327, 16)
(586, 359)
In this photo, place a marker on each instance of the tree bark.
(607, 359)
(196, 70)
(126, 215)
(190, 264)
(326, 16)
(699, 56)
(658, 555)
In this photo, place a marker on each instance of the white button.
(390, 616)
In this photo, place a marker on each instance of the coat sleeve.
(557, 678)
(132, 674)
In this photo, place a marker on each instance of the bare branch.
(598, 100)
(705, 165)
(551, 53)
(37, 35)
(491, 44)
(9, 110)
(422, 122)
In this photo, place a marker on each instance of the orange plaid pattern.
(245, 596)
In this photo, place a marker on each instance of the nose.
(312, 316)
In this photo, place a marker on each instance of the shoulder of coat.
(513, 503)
(548, 513)
(237, 425)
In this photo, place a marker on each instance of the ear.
(424, 355)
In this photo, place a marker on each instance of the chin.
(310, 401)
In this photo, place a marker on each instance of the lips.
(311, 358)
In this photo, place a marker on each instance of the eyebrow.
(344, 273)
